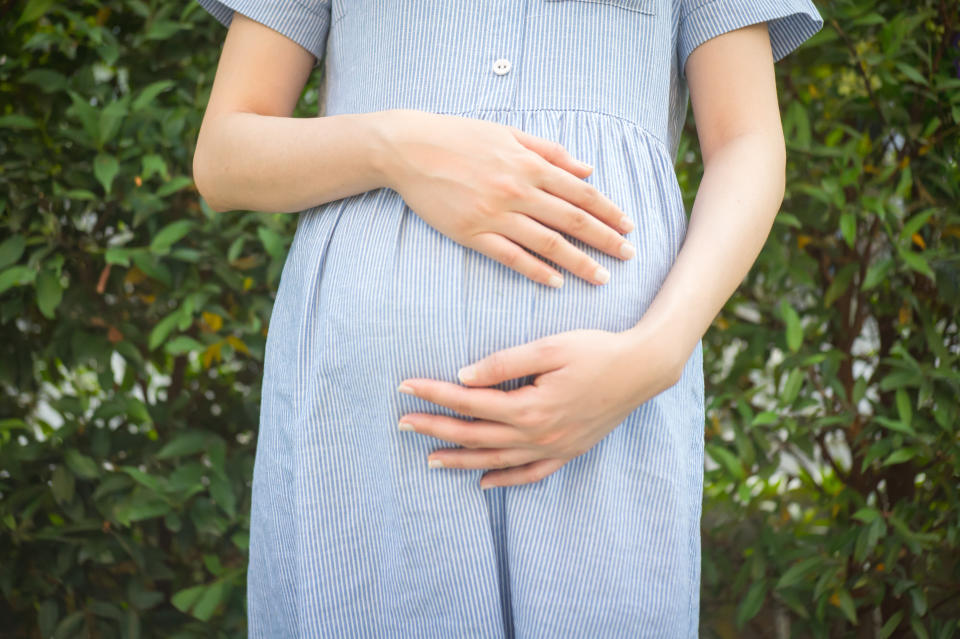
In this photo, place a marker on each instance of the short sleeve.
(306, 22)
(789, 22)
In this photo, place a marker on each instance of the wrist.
(659, 341)
(381, 150)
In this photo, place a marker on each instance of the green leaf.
(764, 418)
(17, 121)
(792, 386)
(848, 227)
(163, 328)
(876, 273)
(891, 625)
(794, 329)
(16, 276)
(912, 73)
(840, 284)
(185, 444)
(153, 164)
(899, 456)
(846, 605)
(172, 186)
(62, 484)
(105, 169)
(915, 261)
(185, 599)
(751, 603)
(49, 292)
(903, 406)
(726, 459)
(222, 492)
(866, 515)
(272, 241)
(34, 10)
(211, 598)
(892, 424)
(11, 250)
(183, 344)
(169, 235)
(149, 94)
(798, 571)
(82, 466)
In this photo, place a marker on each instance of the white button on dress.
(501, 66)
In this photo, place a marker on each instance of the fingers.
(585, 196)
(485, 403)
(477, 434)
(554, 246)
(530, 358)
(552, 152)
(564, 216)
(482, 457)
(508, 253)
(526, 474)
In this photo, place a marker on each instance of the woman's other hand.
(589, 381)
(497, 189)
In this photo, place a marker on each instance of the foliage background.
(133, 321)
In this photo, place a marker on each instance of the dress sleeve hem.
(298, 22)
(789, 24)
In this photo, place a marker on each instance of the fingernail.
(467, 373)
(602, 274)
(626, 224)
(403, 388)
(555, 281)
(585, 165)
(405, 426)
(627, 250)
(434, 463)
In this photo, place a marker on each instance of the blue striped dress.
(352, 535)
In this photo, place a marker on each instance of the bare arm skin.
(252, 155)
(492, 188)
(734, 99)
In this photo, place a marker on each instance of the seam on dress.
(686, 14)
(648, 7)
(642, 129)
(307, 7)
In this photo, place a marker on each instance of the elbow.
(203, 179)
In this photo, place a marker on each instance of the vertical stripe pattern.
(351, 534)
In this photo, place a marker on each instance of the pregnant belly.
(382, 291)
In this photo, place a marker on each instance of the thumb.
(517, 361)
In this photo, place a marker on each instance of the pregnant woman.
(447, 218)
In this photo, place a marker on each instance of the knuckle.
(548, 351)
(496, 366)
(459, 405)
(510, 257)
(530, 164)
(470, 439)
(590, 196)
(577, 220)
(552, 242)
(498, 460)
(508, 186)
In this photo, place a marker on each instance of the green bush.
(133, 321)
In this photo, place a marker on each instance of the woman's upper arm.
(726, 50)
(268, 52)
(733, 88)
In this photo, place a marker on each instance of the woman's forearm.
(737, 200)
(248, 161)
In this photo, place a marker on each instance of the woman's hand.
(589, 382)
(496, 189)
